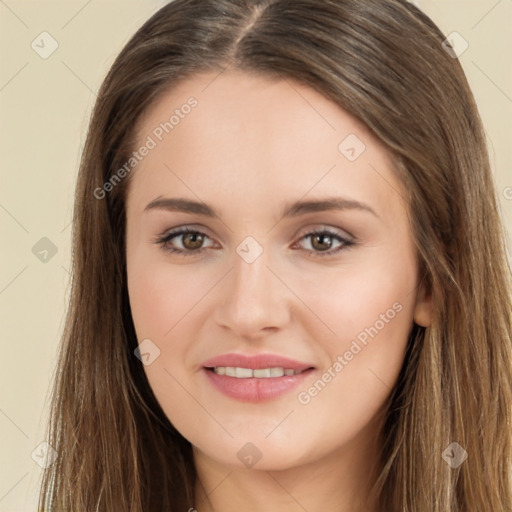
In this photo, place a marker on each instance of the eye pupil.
(196, 237)
(322, 237)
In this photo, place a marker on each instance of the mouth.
(255, 379)
(256, 373)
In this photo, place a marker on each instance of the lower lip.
(256, 389)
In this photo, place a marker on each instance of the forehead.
(260, 107)
(247, 134)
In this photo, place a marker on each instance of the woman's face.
(253, 278)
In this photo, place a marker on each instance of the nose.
(254, 298)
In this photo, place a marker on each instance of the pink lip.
(255, 389)
(256, 362)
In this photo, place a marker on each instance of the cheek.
(161, 298)
(148, 304)
(353, 298)
(161, 295)
(367, 316)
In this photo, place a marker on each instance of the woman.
(290, 284)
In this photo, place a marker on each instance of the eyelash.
(165, 238)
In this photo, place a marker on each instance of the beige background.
(45, 105)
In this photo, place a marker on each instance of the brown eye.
(324, 243)
(192, 241)
(321, 241)
(183, 241)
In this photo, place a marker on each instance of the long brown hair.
(383, 62)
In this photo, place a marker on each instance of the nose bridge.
(254, 298)
(250, 271)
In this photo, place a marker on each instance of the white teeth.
(243, 373)
(246, 373)
(261, 373)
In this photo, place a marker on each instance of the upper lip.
(256, 362)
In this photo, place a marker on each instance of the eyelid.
(319, 227)
(169, 234)
(193, 228)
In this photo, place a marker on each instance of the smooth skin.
(250, 148)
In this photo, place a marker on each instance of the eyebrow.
(294, 210)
